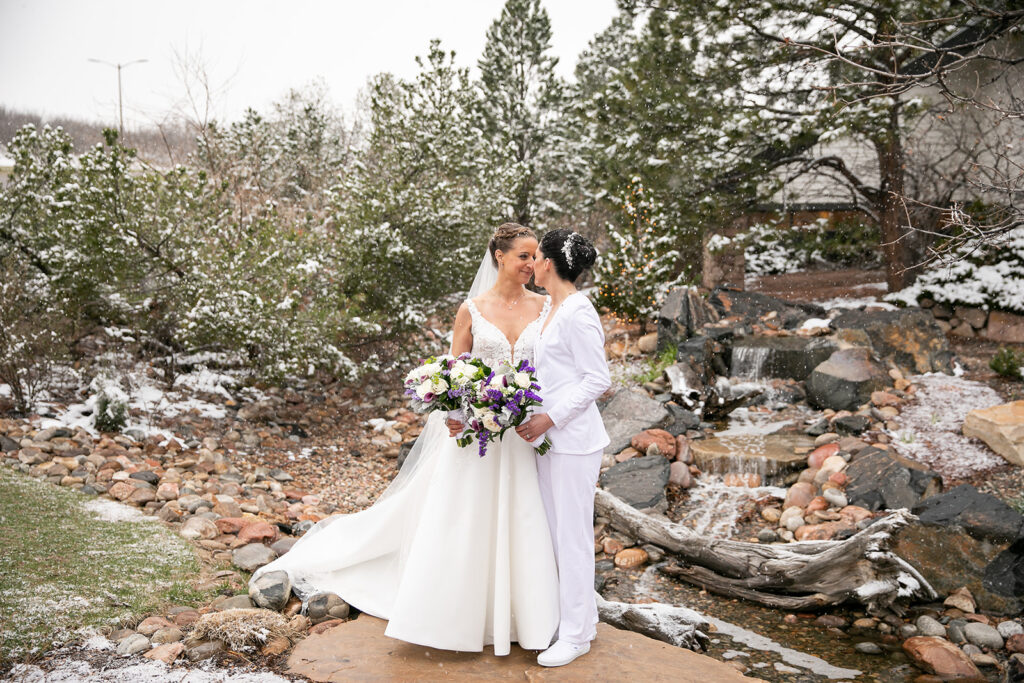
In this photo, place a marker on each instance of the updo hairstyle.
(504, 236)
(571, 252)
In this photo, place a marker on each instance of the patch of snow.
(5, 390)
(930, 426)
(855, 302)
(111, 511)
(801, 659)
(137, 670)
(815, 323)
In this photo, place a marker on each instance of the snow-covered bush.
(989, 276)
(109, 402)
(638, 266)
(771, 247)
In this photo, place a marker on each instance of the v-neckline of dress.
(512, 345)
(554, 313)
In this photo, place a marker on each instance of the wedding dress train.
(456, 553)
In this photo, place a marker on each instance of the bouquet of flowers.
(501, 401)
(444, 382)
(490, 401)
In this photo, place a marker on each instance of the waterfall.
(748, 362)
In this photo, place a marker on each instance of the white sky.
(253, 50)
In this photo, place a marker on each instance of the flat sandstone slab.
(1001, 427)
(358, 650)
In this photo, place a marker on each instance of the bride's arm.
(462, 333)
(462, 342)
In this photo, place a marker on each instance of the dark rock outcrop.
(786, 357)
(628, 413)
(753, 307)
(883, 481)
(683, 315)
(845, 380)
(639, 482)
(982, 515)
(910, 338)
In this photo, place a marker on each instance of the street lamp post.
(120, 101)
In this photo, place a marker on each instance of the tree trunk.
(891, 212)
(807, 575)
(677, 626)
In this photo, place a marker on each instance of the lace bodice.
(491, 345)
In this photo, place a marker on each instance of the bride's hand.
(534, 428)
(454, 427)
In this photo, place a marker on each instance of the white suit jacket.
(573, 372)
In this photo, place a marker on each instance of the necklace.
(509, 306)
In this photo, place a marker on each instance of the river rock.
(133, 644)
(325, 606)
(786, 357)
(639, 481)
(630, 412)
(851, 425)
(962, 600)
(1001, 427)
(629, 558)
(845, 380)
(821, 453)
(1015, 642)
(168, 634)
(981, 514)
(665, 442)
(166, 653)
(258, 532)
(679, 475)
(791, 518)
(940, 657)
(883, 480)
(203, 649)
(929, 626)
(868, 648)
(835, 498)
(271, 590)
(908, 337)
(252, 556)
(983, 636)
(799, 495)
(197, 528)
(683, 314)
(1009, 628)
(753, 306)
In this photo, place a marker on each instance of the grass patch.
(66, 570)
(655, 365)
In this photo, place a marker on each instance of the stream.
(772, 645)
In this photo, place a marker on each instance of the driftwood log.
(677, 626)
(796, 576)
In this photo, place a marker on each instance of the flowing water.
(768, 647)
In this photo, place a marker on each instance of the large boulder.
(640, 482)
(940, 657)
(1005, 327)
(629, 412)
(880, 480)
(910, 338)
(754, 307)
(983, 516)
(846, 380)
(1001, 427)
(682, 315)
(785, 357)
(949, 557)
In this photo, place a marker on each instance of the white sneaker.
(561, 653)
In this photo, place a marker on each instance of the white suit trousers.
(567, 484)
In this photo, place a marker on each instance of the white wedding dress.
(456, 553)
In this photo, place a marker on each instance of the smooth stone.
(233, 602)
(271, 590)
(868, 648)
(835, 498)
(133, 644)
(983, 635)
(203, 650)
(252, 556)
(1009, 628)
(168, 634)
(939, 657)
(196, 528)
(166, 653)
(324, 606)
(929, 626)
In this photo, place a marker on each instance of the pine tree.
(520, 105)
(638, 266)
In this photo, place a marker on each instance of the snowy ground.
(930, 426)
(148, 399)
(95, 662)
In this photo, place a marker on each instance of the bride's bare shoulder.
(536, 300)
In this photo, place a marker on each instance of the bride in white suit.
(573, 371)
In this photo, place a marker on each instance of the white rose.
(440, 385)
(425, 388)
(523, 380)
(491, 423)
(430, 369)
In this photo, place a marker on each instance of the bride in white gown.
(456, 553)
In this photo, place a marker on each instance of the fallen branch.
(677, 626)
(805, 575)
